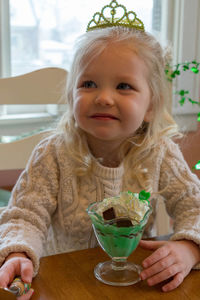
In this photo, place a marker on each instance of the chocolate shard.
(109, 214)
(124, 222)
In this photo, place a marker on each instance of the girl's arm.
(181, 190)
(24, 224)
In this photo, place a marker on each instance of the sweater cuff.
(21, 248)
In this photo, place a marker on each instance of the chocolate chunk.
(109, 214)
(124, 222)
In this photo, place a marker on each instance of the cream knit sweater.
(47, 210)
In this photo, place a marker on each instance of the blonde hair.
(90, 45)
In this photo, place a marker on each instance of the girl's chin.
(104, 138)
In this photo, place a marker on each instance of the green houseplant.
(184, 95)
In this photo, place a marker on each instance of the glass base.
(107, 273)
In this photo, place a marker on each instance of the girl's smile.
(104, 117)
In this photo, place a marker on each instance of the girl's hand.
(17, 264)
(171, 259)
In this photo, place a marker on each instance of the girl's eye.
(89, 84)
(124, 86)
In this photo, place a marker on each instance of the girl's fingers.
(26, 271)
(6, 276)
(4, 282)
(21, 267)
(165, 274)
(156, 256)
(26, 296)
(157, 267)
(151, 245)
(177, 280)
(172, 260)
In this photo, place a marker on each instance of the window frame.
(5, 54)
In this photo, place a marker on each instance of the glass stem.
(119, 263)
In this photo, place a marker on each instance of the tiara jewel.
(118, 16)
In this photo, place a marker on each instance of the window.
(43, 31)
(186, 42)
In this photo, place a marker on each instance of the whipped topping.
(127, 204)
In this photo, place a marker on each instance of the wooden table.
(70, 276)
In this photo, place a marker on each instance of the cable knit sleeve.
(181, 191)
(24, 224)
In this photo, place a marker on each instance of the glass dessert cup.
(118, 243)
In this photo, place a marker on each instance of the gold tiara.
(118, 16)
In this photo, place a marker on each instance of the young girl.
(116, 135)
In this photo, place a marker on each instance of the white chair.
(44, 86)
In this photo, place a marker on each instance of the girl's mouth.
(102, 116)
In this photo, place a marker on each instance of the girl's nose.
(104, 98)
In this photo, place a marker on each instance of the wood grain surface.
(71, 276)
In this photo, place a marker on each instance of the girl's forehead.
(119, 62)
(115, 51)
(109, 49)
(115, 46)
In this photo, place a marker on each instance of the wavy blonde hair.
(89, 46)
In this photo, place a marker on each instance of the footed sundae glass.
(118, 243)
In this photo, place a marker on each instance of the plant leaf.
(193, 102)
(197, 166)
(195, 70)
(182, 101)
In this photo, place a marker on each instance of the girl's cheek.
(77, 110)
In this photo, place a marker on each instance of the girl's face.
(112, 96)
